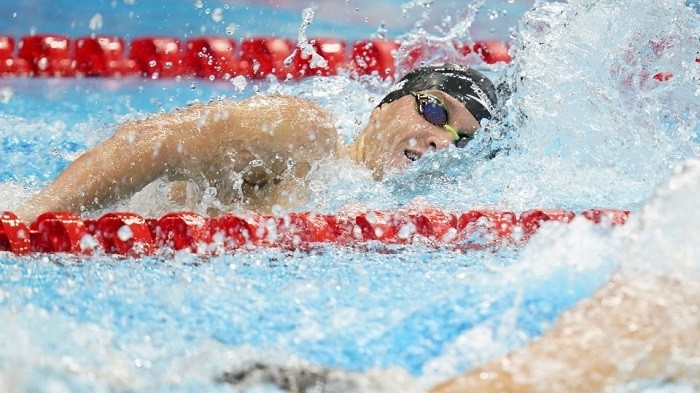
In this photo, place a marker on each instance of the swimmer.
(259, 153)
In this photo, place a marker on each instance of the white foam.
(666, 240)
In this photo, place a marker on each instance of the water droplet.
(88, 242)
(239, 83)
(124, 233)
(217, 15)
(6, 95)
(95, 22)
(43, 63)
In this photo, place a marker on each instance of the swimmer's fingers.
(292, 379)
(309, 378)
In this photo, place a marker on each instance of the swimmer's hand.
(317, 379)
(290, 379)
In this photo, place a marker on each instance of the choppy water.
(584, 125)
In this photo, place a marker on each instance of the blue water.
(351, 19)
(576, 136)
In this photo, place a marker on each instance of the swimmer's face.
(398, 135)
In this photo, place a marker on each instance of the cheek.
(381, 132)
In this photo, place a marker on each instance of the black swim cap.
(470, 87)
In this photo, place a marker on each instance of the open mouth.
(412, 155)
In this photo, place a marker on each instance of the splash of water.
(422, 47)
(303, 44)
(588, 118)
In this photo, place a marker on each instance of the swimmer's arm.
(270, 130)
(117, 167)
(628, 331)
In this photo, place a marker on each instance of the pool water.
(584, 125)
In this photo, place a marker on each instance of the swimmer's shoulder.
(305, 116)
(303, 106)
(280, 122)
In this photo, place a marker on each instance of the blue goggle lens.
(434, 112)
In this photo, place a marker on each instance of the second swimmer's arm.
(270, 129)
(630, 330)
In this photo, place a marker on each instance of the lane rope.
(128, 234)
(132, 235)
(210, 57)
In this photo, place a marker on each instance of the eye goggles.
(434, 112)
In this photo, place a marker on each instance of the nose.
(438, 140)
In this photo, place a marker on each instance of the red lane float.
(14, 235)
(102, 56)
(332, 50)
(211, 57)
(531, 220)
(376, 56)
(131, 235)
(184, 230)
(156, 56)
(297, 230)
(492, 51)
(263, 56)
(123, 233)
(606, 216)
(47, 55)
(9, 64)
(486, 227)
(58, 232)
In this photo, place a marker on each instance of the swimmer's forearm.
(627, 332)
(116, 168)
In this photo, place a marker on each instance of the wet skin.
(397, 134)
(257, 153)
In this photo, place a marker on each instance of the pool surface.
(585, 125)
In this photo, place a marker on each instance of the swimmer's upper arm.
(273, 130)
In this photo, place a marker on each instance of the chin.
(397, 163)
